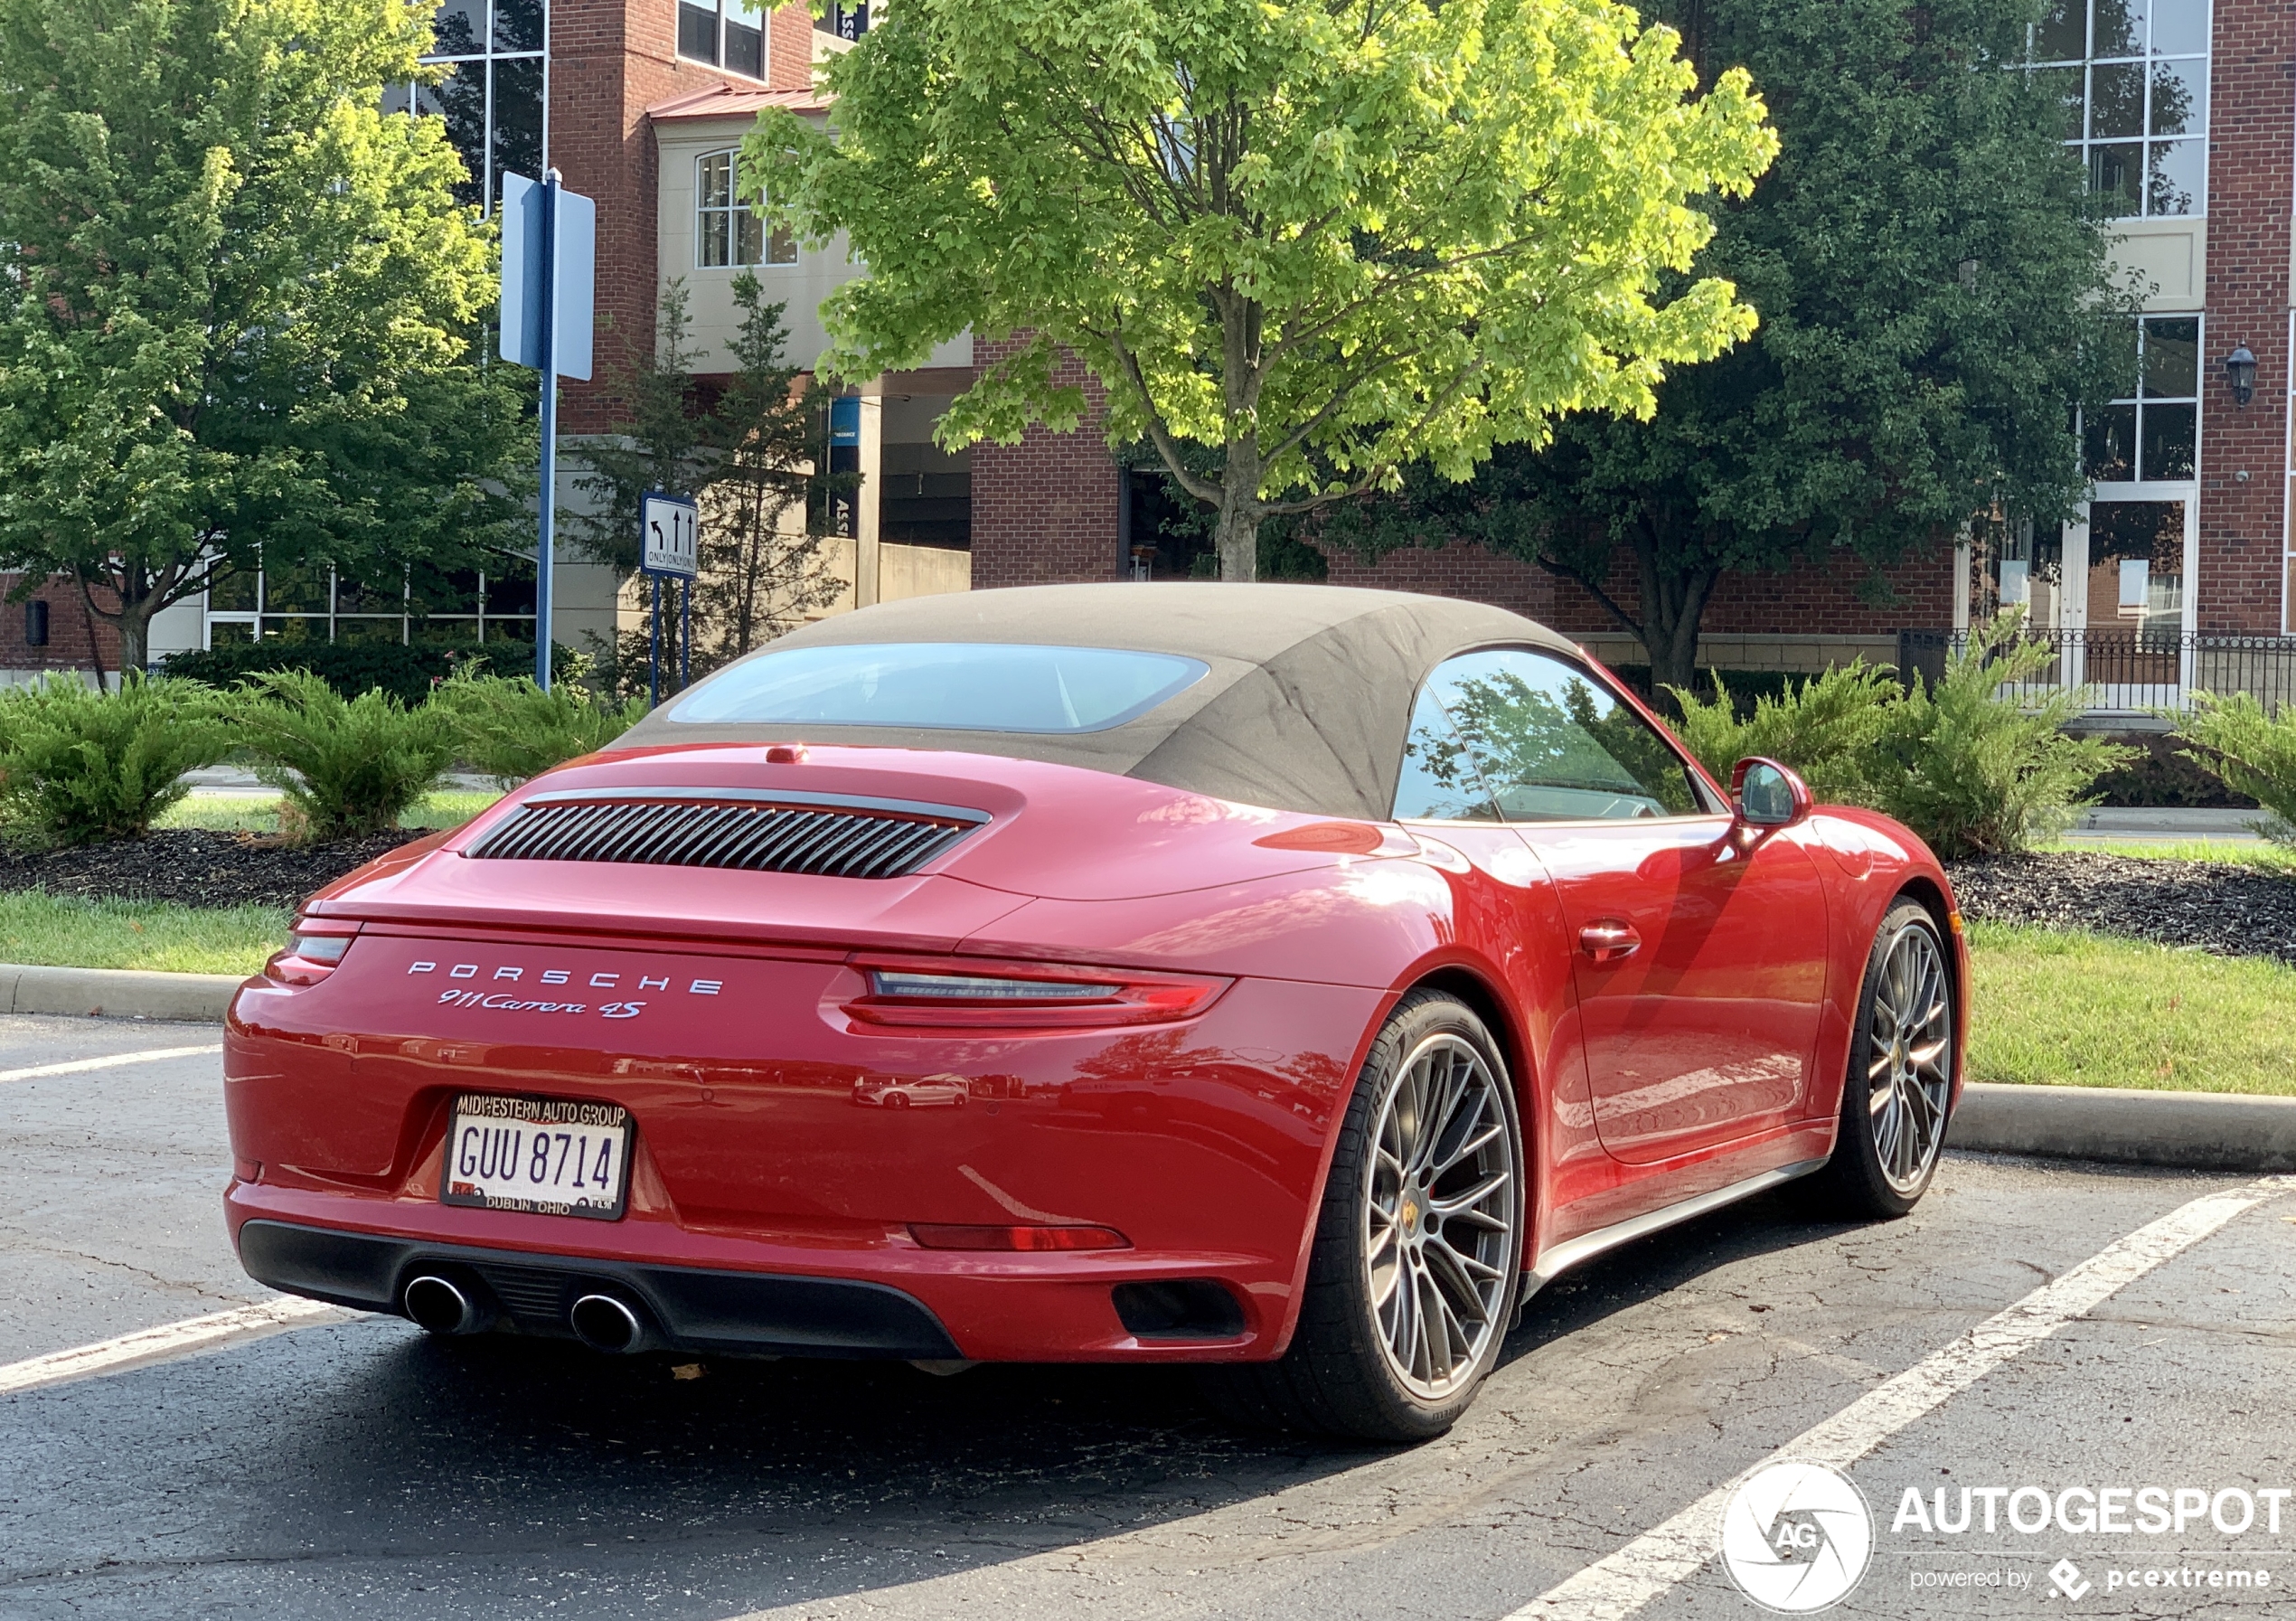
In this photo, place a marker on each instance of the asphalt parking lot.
(351, 1468)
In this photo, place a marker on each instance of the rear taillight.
(940, 993)
(941, 1235)
(313, 949)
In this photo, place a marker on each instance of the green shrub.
(512, 729)
(1978, 762)
(1825, 727)
(78, 766)
(343, 767)
(407, 673)
(2253, 752)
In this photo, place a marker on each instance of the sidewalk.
(2165, 824)
(230, 782)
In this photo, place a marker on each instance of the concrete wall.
(799, 288)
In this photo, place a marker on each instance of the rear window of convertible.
(967, 686)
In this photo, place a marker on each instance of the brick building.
(2185, 113)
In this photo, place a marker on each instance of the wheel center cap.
(1411, 1215)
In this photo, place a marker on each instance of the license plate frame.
(496, 1175)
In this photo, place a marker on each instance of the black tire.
(1338, 1376)
(1871, 1176)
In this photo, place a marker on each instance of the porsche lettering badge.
(510, 1002)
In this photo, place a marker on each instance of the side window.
(1439, 781)
(1552, 745)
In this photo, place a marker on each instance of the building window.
(493, 91)
(2133, 78)
(2152, 436)
(716, 32)
(313, 603)
(727, 230)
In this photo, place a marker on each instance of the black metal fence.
(2133, 669)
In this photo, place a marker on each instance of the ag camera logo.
(1796, 1537)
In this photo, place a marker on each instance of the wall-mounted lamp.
(2240, 372)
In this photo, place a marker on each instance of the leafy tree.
(749, 454)
(237, 304)
(1323, 238)
(663, 444)
(762, 573)
(1935, 299)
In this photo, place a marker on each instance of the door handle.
(1609, 940)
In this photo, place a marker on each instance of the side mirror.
(1766, 794)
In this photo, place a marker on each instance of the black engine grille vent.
(826, 835)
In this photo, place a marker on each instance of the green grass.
(71, 932)
(2267, 857)
(2050, 1007)
(2059, 1008)
(228, 813)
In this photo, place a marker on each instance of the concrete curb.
(2196, 1131)
(115, 993)
(2199, 1131)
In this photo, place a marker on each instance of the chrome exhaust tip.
(608, 1324)
(441, 1305)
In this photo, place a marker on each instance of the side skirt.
(1586, 1246)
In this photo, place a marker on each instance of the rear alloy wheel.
(1418, 1250)
(1898, 1092)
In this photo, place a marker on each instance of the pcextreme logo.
(1796, 1537)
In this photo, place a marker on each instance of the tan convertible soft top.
(1305, 708)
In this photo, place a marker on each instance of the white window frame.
(2085, 143)
(770, 243)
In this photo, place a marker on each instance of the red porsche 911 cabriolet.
(1284, 978)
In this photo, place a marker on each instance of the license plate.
(538, 1156)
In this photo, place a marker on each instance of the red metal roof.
(730, 101)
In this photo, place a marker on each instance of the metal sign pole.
(544, 550)
(654, 662)
(685, 634)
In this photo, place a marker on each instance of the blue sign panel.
(524, 231)
(844, 421)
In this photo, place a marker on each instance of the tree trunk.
(1673, 602)
(133, 624)
(1237, 535)
(1238, 538)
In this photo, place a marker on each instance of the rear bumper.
(738, 1312)
(731, 1294)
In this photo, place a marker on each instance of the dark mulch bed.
(2232, 911)
(193, 868)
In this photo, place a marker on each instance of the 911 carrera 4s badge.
(540, 1155)
(505, 1002)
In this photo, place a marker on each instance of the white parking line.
(1621, 1583)
(109, 1061)
(170, 1340)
